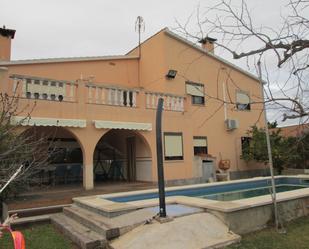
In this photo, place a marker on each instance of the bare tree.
(284, 45)
(22, 154)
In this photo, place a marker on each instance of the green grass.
(296, 237)
(39, 237)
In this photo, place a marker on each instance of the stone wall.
(256, 218)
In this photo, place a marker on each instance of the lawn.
(297, 237)
(39, 237)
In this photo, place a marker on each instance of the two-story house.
(103, 108)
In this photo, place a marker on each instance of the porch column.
(88, 170)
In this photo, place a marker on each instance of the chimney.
(208, 44)
(6, 35)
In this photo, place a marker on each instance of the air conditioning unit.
(231, 124)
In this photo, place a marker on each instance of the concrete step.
(29, 212)
(79, 234)
(86, 205)
(98, 223)
(26, 221)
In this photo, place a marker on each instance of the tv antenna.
(140, 28)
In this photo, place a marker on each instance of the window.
(245, 144)
(196, 91)
(173, 149)
(200, 145)
(242, 101)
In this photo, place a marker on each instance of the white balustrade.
(108, 95)
(47, 89)
(44, 89)
(171, 102)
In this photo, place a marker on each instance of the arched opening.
(64, 165)
(122, 155)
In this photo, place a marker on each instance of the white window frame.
(199, 143)
(196, 90)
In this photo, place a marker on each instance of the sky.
(66, 28)
(72, 28)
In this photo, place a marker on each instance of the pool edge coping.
(104, 205)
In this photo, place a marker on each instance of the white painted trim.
(72, 59)
(35, 121)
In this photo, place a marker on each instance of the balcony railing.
(171, 102)
(58, 90)
(110, 95)
(45, 89)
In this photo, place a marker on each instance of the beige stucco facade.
(111, 92)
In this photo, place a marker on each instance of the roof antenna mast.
(139, 27)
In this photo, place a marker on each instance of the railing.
(58, 90)
(110, 95)
(45, 89)
(171, 102)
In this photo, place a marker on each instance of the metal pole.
(160, 158)
(270, 158)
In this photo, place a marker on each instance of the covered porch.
(83, 153)
(61, 195)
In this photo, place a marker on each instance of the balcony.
(171, 102)
(37, 88)
(111, 95)
(44, 89)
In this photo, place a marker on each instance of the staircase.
(89, 229)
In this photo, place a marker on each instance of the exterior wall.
(196, 120)
(4, 77)
(116, 72)
(159, 54)
(293, 130)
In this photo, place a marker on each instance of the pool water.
(236, 195)
(232, 190)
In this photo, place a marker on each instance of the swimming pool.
(236, 195)
(227, 191)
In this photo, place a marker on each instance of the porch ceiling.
(33, 121)
(102, 124)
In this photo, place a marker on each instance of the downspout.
(224, 99)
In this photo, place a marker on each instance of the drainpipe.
(270, 158)
(161, 184)
(224, 99)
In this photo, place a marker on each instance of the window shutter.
(195, 89)
(173, 145)
(199, 142)
(242, 98)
